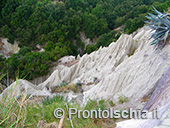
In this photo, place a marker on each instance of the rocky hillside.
(129, 67)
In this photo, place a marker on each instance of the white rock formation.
(66, 59)
(134, 76)
(7, 48)
(163, 114)
(159, 100)
(24, 87)
(129, 67)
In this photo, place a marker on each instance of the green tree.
(50, 46)
(90, 48)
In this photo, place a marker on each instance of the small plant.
(102, 104)
(122, 99)
(111, 103)
(159, 22)
(63, 84)
(78, 83)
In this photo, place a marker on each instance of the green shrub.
(24, 50)
(107, 38)
(2, 64)
(29, 66)
(2, 58)
(50, 46)
(90, 48)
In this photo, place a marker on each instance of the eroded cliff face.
(6, 49)
(133, 70)
(160, 101)
(129, 67)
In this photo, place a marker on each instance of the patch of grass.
(2, 87)
(12, 110)
(122, 99)
(25, 112)
(44, 112)
(49, 100)
(102, 104)
(67, 88)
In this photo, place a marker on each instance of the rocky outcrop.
(86, 40)
(161, 122)
(6, 49)
(67, 61)
(160, 100)
(130, 67)
(133, 70)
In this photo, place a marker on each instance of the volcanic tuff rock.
(6, 49)
(160, 101)
(130, 66)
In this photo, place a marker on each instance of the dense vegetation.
(56, 26)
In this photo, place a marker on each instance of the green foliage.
(49, 100)
(12, 110)
(30, 21)
(23, 51)
(50, 46)
(161, 24)
(23, 111)
(90, 48)
(102, 105)
(45, 111)
(63, 84)
(106, 39)
(133, 24)
(57, 27)
(2, 58)
(2, 87)
(122, 99)
(91, 104)
(111, 103)
(6, 31)
(28, 64)
(79, 83)
(94, 26)
(80, 44)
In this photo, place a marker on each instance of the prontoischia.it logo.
(110, 113)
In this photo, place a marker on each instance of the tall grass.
(23, 111)
(2, 87)
(12, 110)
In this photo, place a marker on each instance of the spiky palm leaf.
(161, 24)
